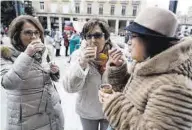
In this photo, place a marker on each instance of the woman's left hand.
(105, 97)
(54, 68)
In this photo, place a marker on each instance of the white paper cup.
(95, 55)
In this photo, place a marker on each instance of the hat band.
(137, 28)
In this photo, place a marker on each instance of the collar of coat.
(11, 54)
(8, 52)
(177, 59)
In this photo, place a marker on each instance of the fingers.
(52, 64)
(117, 57)
(37, 41)
(34, 46)
(54, 68)
(115, 52)
(89, 53)
(38, 47)
(103, 97)
(112, 50)
(100, 98)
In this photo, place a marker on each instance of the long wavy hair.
(15, 29)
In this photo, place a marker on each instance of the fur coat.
(158, 94)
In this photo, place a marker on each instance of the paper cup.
(95, 48)
(106, 88)
(95, 55)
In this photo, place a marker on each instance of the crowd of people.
(71, 40)
(152, 91)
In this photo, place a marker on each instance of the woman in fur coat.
(158, 93)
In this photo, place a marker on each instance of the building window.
(100, 9)
(112, 9)
(28, 7)
(134, 10)
(28, 3)
(123, 10)
(77, 8)
(42, 5)
(88, 8)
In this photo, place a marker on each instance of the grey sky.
(182, 6)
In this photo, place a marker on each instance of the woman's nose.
(34, 36)
(93, 39)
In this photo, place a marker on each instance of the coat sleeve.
(117, 76)
(168, 108)
(17, 72)
(75, 77)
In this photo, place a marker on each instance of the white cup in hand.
(34, 47)
(93, 55)
(87, 54)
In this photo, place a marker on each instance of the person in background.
(158, 95)
(57, 40)
(86, 73)
(53, 33)
(33, 101)
(66, 43)
(74, 42)
(49, 44)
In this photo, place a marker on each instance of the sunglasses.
(31, 32)
(95, 35)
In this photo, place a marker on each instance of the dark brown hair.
(89, 26)
(155, 45)
(15, 29)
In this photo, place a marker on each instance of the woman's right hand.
(33, 47)
(116, 57)
(88, 54)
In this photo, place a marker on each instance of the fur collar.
(9, 52)
(177, 59)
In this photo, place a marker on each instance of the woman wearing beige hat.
(158, 94)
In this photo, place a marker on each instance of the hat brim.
(137, 28)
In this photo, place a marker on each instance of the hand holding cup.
(106, 88)
(34, 47)
(88, 54)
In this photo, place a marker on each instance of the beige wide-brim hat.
(155, 22)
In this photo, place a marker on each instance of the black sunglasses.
(95, 35)
(31, 32)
